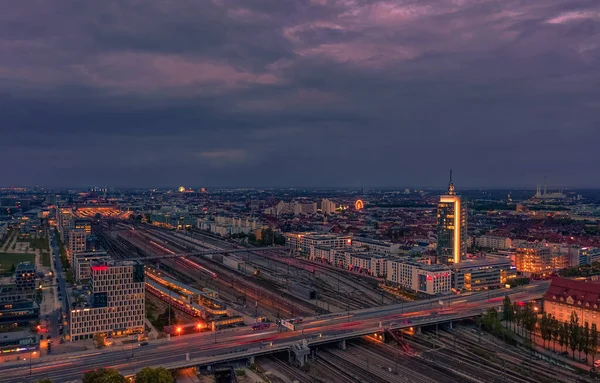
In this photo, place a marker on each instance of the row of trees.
(569, 335)
(110, 375)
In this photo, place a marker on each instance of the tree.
(154, 375)
(562, 335)
(99, 340)
(508, 310)
(574, 333)
(544, 328)
(584, 343)
(46, 380)
(593, 346)
(103, 375)
(555, 331)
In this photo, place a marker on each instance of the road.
(204, 345)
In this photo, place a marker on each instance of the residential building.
(376, 246)
(76, 243)
(538, 260)
(472, 275)
(83, 261)
(25, 276)
(117, 301)
(83, 224)
(452, 228)
(493, 242)
(64, 216)
(328, 207)
(565, 296)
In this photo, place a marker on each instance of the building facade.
(382, 247)
(534, 260)
(565, 296)
(83, 261)
(493, 242)
(76, 243)
(419, 276)
(482, 274)
(117, 301)
(451, 228)
(25, 276)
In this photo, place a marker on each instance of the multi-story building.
(83, 224)
(493, 242)
(117, 301)
(565, 296)
(418, 276)
(482, 274)
(83, 261)
(25, 276)
(64, 217)
(76, 244)
(303, 242)
(588, 255)
(534, 260)
(18, 314)
(16, 345)
(328, 207)
(376, 246)
(452, 228)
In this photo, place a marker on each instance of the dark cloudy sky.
(299, 92)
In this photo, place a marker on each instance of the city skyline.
(301, 93)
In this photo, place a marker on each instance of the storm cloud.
(299, 93)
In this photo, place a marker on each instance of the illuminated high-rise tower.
(452, 227)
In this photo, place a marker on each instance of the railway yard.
(229, 286)
(457, 356)
(257, 284)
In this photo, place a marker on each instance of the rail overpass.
(210, 349)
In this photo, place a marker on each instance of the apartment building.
(303, 242)
(76, 243)
(117, 301)
(493, 242)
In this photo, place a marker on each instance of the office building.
(452, 228)
(18, 314)
(588, 255)
(83, 261)
(64, 217)
(418, 276)
(471, 275)
(565, 296)
(25, 276)
(16, 345)
(117, 301)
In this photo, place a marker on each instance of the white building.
(327, 207)
(117, 302)
(493, 242)
(419, 276)
(303, 242)
(376, 246)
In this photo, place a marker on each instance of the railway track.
(291, 371)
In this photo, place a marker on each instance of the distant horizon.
(208, 188)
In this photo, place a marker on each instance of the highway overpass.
(207, 349)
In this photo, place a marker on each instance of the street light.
(179, 330)
(199, 326)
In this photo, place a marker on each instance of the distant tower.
(452, 227)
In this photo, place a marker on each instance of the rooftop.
(581, 293)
